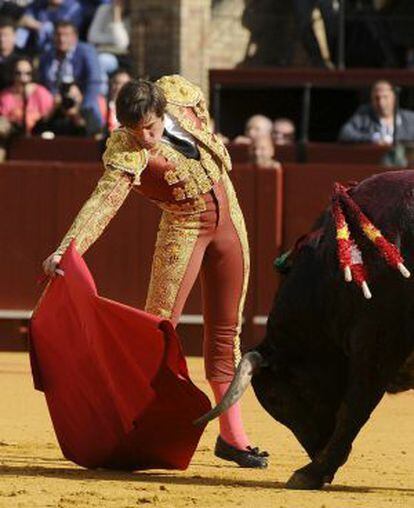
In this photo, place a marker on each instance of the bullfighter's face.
(148, 131)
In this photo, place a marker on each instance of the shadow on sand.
(173, 478)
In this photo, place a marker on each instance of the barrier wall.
(60, 148)
(70, 149)
(39, 200)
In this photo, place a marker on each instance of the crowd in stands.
(62, 63)
(379, 122)
(262, 136)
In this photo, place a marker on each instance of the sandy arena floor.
(33, 473)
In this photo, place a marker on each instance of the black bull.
(329, 355)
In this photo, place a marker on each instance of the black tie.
(183, 146)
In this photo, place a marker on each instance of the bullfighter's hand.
(51, 265)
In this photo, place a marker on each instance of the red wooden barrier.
(38, 202)
(307, 190)
(345, 153)
(61, 148)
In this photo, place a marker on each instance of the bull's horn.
(249, 365)
(403, 270)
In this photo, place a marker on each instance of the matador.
(166, 150)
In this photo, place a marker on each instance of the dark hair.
(27, 59)
(120, 70)
(6, 22)
(382, 82)
(22, 58)
(65, 24)
(137, 99)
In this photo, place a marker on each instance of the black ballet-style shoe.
(250, 457)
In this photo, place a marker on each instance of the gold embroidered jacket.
(162, 174)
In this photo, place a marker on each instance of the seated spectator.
(13, 9)
(39, 19)
(256, 127)
(262, 153)
(374, 122)
(8, 51)
(118, 80)
(109, 33)
(283, 132)
(69, 117)
(25, 102)
(71, 61)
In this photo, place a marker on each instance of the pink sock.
(231, 426)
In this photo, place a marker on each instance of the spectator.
(109, 32)
(374, 122)
(38, 22)
(71, 61)
(8, 51)
(70, 118)
(13, 9)
(25, 102)
(283, 132)
(262, 153)
(88, 11)
(256, 127)
(118, 80)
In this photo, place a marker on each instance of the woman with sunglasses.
(25, 102)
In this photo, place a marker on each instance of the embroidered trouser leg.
(215, 243)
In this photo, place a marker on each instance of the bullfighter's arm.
(124, 163)
(99, 209)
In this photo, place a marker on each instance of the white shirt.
(105, 32)
(386, 132)
(173, 127)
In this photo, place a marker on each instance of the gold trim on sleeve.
(109, 194)
(124, 153)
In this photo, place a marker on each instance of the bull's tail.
(249, 365)
(349, 254)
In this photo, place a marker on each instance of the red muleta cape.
(115, 379)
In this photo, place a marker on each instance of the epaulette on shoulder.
(124, 153)
(180, 91)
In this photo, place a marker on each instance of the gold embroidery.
(109, 194)
(238, 222)
(179, 91)
(177, 236)
(204, 135)
(197, 176)
(202, 113)
(171, 177)
(190, 207)
(179, 194)
(124, 153)
(191, 190)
